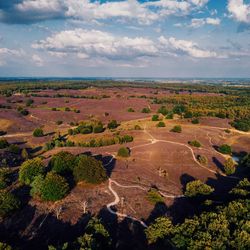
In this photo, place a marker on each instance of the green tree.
(197, 187)
(25, 154)
(131, 110)
(63, 162)
(225, 149)
(54, 187)
(176, 129)
(154, 196)
(229, 166)
(155, 118)
(8, 203)
(113, 124)
(4, 177)
(38, 132)
(3, 143)
(29, 169)
(146, 110)
(160, 125)
(159, 230)
(162, 110)
(195, 143)
(89, 169)
(202, 159)
(123, 152)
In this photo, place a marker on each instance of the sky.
(130, 38)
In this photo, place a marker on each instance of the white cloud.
(87, 10)
(198, 22)
(95, 43)
(186, 47)
(37, 60)
(8, 54)
(239, 10)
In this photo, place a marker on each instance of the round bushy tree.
(202, 159)
(176, 129)
(161, 125)
(3, 143)
(225, 149)
(229, 166)
(29, 169)
(155, 118)
(90, 170)
(38, 132)
(36, 186)
(8, 203)
(113, 124)
(197, 187)
(54, 187)
(63, 162)
(123, 152)
(195, 143)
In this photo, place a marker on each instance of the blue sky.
(159, 38)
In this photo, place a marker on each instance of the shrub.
(8, 203)
(170, 116)
(113, 124)
(245, 162)
(154, 197)
(188, 114)
(98, 128)
(127, 138)
(197, 187)
(3, 143)
(29, 102)
(155, 118)
(63, 162)
(24, 112)
(131, 110)
(146, 110)
(90, 170)
(38, 132)
(162, 110)
(59, 122)
(54, 187)
(176, 129)
(195, 121)
(13, 148)
(225, 149)
(195, 143)
(123, 152)
(179, 109)
(25, 154)
(202, 159)
(54, 109)
(137, 127)
(36, 186)
(160, 124)
(29, 169)
(67, 109)
(229, 166)
(4, 177)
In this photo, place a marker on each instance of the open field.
(159, 159)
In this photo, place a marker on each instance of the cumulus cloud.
(25, 11)
(95, 43)
(198, 22)
(185, 47)
(37, 60)
(239, 10)
(6, 54)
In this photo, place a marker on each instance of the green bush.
(36, 186)
(98, 128)
(160, 124)
(127, 138)
(202, 159)
(113, 124)
(169, 116)
(13, 148)
(4, 177)
(29, 102)
(196, 188)
(54, 187)
(123, 152)
(162, 110)
(90, 170)
(67, 109)
(38, 132)
(63, 162)
(137, 127)
(188, 114)
(245, 162)
(3, 143)
(229, 166)
(195, 143)
(179, 109)
(146, 110)
(4, 246)
(29, 169)
(195, 121)
(131, 110)
(176, 129)
(25, 154)
(154, 196)
(225, 149)
(155, 118)
(8, 203)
